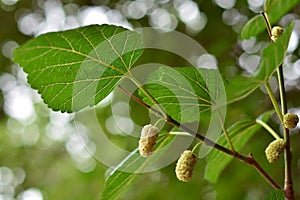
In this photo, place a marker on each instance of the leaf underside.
(78, 68)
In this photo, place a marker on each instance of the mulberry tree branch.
(288, 182)
(250, 160)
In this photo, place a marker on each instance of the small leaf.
(185, 93)
(78, 68)
(253, 27)
(275, 195)
(275, 11)
(120, 180)
(239, 133)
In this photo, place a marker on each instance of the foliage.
(272, 56)
(78, 68)
(70, 81)
(119, 181)
(274, 9)
(278, 195)
(240, 133)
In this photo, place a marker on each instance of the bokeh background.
(42, 156)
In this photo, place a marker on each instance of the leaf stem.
(139, 100)
(274, 101)
(197, 145)
(180, 133)
(225, 131)
(268, 25)
(268, 128)
(141, 87)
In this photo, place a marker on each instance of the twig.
(139, 101)
(267, 24)
(288, 182)
(246, 159)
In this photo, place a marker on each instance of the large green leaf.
(80, 67)
(274, 11)
(185, 93)
(239, 133)
(272, 57)
(128, 171)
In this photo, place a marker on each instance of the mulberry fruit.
(185, 166)
(148, 140)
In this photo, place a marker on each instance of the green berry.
(149, 135)
(290, 120)
(185, 166)
(274, 150)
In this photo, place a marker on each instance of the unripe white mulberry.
(276, 32)
(290, 120)
(148, 140)
(185, 166)
(274, 150)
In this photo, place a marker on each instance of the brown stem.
(139, 100)
(288, 182)
(267, 24)
(246, 159)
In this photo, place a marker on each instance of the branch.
(288, 182)
(246, 159)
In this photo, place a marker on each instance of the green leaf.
(78, 68)
(274, 11)
(269, 4)
(253, 27)
(120, 180)
(275, 195)
(272, 57)
(185, 93)
(240, 87)
(239, 133)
